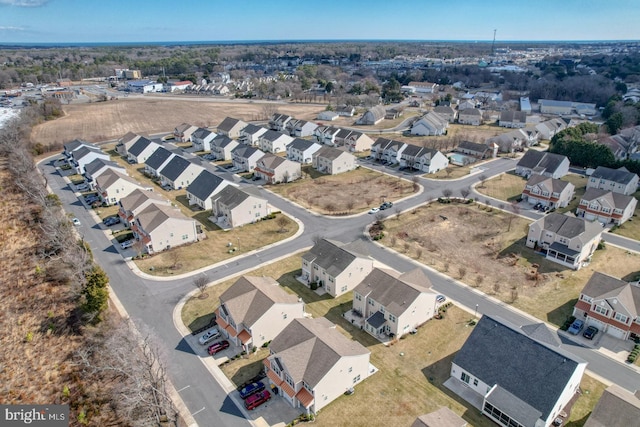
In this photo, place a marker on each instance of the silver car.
(210, 335)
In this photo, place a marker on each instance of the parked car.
(252, 388)
(374, 210)
(91, 198)
(127, 244)
(76, 221)
(575, 327)
(208, 336)
(590, 332)
(112, 220)
(82, 187)
(257, 399)
(217, 347)
(386, 205)
(440, 298)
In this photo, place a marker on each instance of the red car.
(257, 399)
(218, 347)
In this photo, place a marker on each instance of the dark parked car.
(590, 332)
(385, 205)
(575, 327)
(257, 399)
(112, 220)
(218, 347)
(252, 388)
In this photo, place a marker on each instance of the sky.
(90, 21)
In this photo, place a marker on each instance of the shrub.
(313, 286)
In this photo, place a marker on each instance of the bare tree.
(483, 178)
(201, 282)
(268, 110)
(398, 212)
(462, 271)
(464, 192)
(446, 193)
(282, 222)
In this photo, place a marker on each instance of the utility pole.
(493, 45)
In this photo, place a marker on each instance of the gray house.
(536, 162)
(203, 188)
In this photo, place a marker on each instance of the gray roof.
(554, 103)
(473, 146)
(620, 295)
(86, 150)
(552, 184)
(376, 319)
(530, 374)
(271, 161)
(221, 141)
(385, 143)
(541, 160)
(470, 112)
(205, 185)
(443, 417)
(330, 153)
(513, 116)
(158, 158)
(231, 196)
(154, 216)
(570, 226)
(97, 164)
(310, 348)
(175, 167)
(417, 151)
(272, 135)
(540, 332)
(615, 200)
(138, 197)
(139, 146)
(245, 151)
(251, 129)
(201, 133)
(183, 127)
(616, 408)
(229, 123)
(444, 109)
(111, 176)
(75, 144)
(301, 144)
(330, 256)
(621, 175)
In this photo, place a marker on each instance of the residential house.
(183, 132)
(231, 127)
(465, 105)
(311, 363)
(113, 185)
(326, 134)
(327, 115)
(332, 161)
(517, 377)
(394, 113)
(549, 128)
(388, 150)
(446, 112)
(179, 173)
(274, 142)
(470, 116)
(144, 86)
(301, 150)
(536, 162)
(85, 155)
(336, 267)
(525, 104)
(549, 106)
(357, 142)
(394, 304)
(513, 119)
(611, 305)
(97, 167)
(161, 227)
(125, 142)
(251, 133)
(178, 86)
(616, 144)
(201, 139)
(345, 110)
(372, 116)
(245, 157)
(423, 159)
(74, 145)
(254, 310)
(606, 206)
(278, 122)
(157, 161)
(431, 124)
(203, 188)
(138, 200)
(275, 169)
(567, 240)
(423, 87)
(616, 408)
(443, 417)
(232, 207)
(628, 139)
(549, 192)
(301, 128)
(617, 180)
(477, 150)
(141, 150)
(222, 146)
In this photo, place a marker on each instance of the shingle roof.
(301, 144)
(158, 158)
(140, 145)
(443, 417)
(153, 216)
(175, 167)
(183, 127)
(546, 162)
(552, 184)
(75, 144)
(138, 197)
(245, 151)
(111, 176)
(607, 198)
(83, 151)
(231, 196)
(330, 153)
(621, 175)
(513, 116)
(97, 164)
(443, 109)
(620, 295)
(271, 161)
(272, 135)
(229, 123)
(201, 133)
(252, 129)
(570, 227)
(470, 112)
(205, 184)
(331, 256)
(525, 369)
(221, 141)
(473, 146)
(616, 408)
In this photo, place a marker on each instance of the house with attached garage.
(254, 310)
(345, 110)
(201, 139)
(446, 112)
(183, 132)
(130, 206)
(477, 150)
(85, 155)
(278, 122)
(251, 133)
(423, 159)
(388, 150)
(74, 145)
(565, 239)
(157, 161)
(394, 304)
(113, 185)
(431, 124)
(179, 173)
(470, 116)
(98, 167)
(141, 150)
(549, 128)
(301, 128)
(124, 143)
(204, 187)
(274, 142)
(611, 305)
(617, 407)
(332, 161)
(301, 150)
(245, 157)
(617, 180)
(231, 127)
(232, 207)
(326, 134)
(536, 162)
(549, 192)
(275, 169)
(310, 363)
(221, 147)
(336, 267)
(517, 377)
(161, 227)
(606, 206)
(513, 119)
(357, 142)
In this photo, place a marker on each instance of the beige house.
(231, 127)
(394, 304)
(256, 309)
(113, 186)
(470, 116)
(275, 169)
(332, 161)
(131, 205)
(565, 239)
(617, 407)
(549, 192)
(250, 134)
(358, 141)
(274, 142)
(606, 206)
(617, 180)
(124, 143)
(311, 363)
(182, 133)
(162, 227)
(335, 267)
(233, 207)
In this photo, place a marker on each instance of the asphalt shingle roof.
(175, 167)
(621, 175)
(158, 158)
(205, 185)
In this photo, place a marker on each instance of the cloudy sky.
(77, 21)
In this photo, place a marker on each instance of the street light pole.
(475, 314)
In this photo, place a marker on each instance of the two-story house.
(137, 201)
(446, 112)
(70, 147)
(332, 161)
(97, 167)
(301, 128)
(477, 150)
(245, 157)
(611, 305)
(565, 239)
(275, 169)
(278, 122)
(201, 139)
(301, 150)
(161, 227)
(183, 132)
(357, 142)
(424, 159)
(231, 127)
(536, 162)
(123, 144)
(606, 206)
(388, 150)
(513, 119)
(251, 133)
(141, 150)
(470, 116)
(326, 134)
(394, 304)
(336, 267)
(179, 173)
(157, 161)
(431, 124)
(203, 188)
(221, 147)
(549, 192)
(617, 180)
(85, 155)
(113, 185)
(311, 363)
(232, 207)
(254, 310)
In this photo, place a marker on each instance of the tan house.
(470, 116)
(311, 363)
(231, 127)
(565, 239)
(275, 169)
(182, 133)
(332, 161)
(162, 227)
(335, 267)
(617, 407)
(124, 143)
(256, 309)
(446, 112)
(113, 186)
(357, 142)
(617, 180)
(549, 192)
(394, 304)
(606, 206)
(131, 205)
(232, 207)
(204, 187)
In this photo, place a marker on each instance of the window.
(343, 289)
(289, 380)
(475, 381)
(371, 302)
(356, 379)
(382, 309)
(465, 377)
(601, 310)
(358, 296)
(586, 298)
(284, 315)
(392, 318)
(621, 318)
(170, 234)
(350, 368)
(185, 236)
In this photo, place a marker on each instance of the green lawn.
(631, 228)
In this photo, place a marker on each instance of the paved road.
(150, 303)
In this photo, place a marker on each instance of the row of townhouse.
(431, 124)
(351, 140)
(406, 155)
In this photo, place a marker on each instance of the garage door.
(595, 322)
(616, 332)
